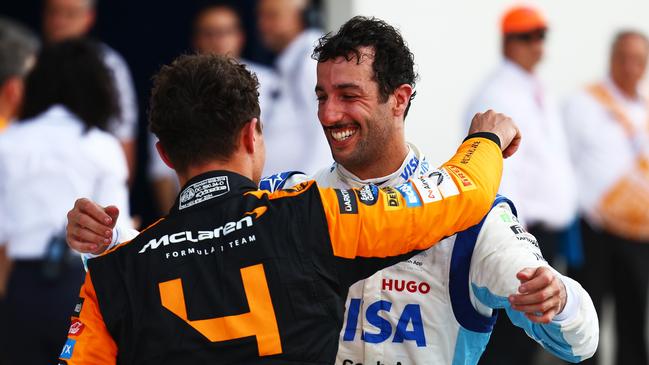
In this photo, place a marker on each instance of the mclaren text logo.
(222, 231)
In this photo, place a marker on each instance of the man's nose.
(330, 112)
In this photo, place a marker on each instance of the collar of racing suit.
(218, 184)
(414, 164)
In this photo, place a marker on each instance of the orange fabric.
(93, 344)
(624, 208)
(374, 230)
(522, 19)
(259, 321)
(3, 124)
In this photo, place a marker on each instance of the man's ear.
(402, 96)
(163, 155)
(249, 135)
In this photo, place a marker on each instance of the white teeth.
(342, 135)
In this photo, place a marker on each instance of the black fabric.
(509, 345)
(617, 268)
(38, 312)
(306, 283)
(488, 135)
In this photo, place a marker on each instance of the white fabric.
(601, 149)
(46, 164)
(497, 257)
(123, 127)
(538, 177)
(292, 133)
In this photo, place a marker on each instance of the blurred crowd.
(68, 124)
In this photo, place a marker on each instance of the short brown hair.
(199, 104)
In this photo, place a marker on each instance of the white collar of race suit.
(414, 164)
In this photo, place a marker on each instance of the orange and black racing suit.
(234, 275)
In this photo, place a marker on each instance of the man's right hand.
(502, 126)
(90, 226)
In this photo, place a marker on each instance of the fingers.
(113, 213)
(541, 278)
(89, 228)
(540, 294)
(542, 318)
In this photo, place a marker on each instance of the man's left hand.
(541, 295)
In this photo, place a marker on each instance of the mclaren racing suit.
(437, 307)
(234, 275)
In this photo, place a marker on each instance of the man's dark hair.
(393, 65)
(72, 73)
(199, 104)
(17, 45)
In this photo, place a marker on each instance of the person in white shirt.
(539, 178)
(217, 29)
(608, 126)
(65, 19)
(55, 153)
(293, 134)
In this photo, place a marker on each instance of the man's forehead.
(354, 67)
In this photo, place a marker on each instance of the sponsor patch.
(68, 349)
(204, 190)
(391, 199)
(505, 218)
(77, 308)
(470, 152)
(76, 328)
(517, 229)
(409, 194)
(464, 181)
(427, 189)
(368, 194)
(410, 168)
(346, 201)
(445, 184)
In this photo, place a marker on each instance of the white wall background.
(457, 43)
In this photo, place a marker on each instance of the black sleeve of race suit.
(352, 270)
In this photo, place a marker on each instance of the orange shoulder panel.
(372, 222)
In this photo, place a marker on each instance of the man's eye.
(348, 97)
(321, 98)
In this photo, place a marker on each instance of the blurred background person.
(292, 133)
(216, 29)
(65, 19)
(608, 125)
(18, 47)
(57, 152)
(539, 178)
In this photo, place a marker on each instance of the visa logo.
(410, 168)
(409, 318)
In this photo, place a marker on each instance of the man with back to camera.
(216, 29)
(388, 321)
(608, 123)
(540, 179)
(65, 19)
(274, 255)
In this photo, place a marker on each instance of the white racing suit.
(437, 307)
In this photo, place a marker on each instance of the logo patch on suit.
(466, 183)
(391, 199)
(204, 190)
(347, 201)
(368, 194)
